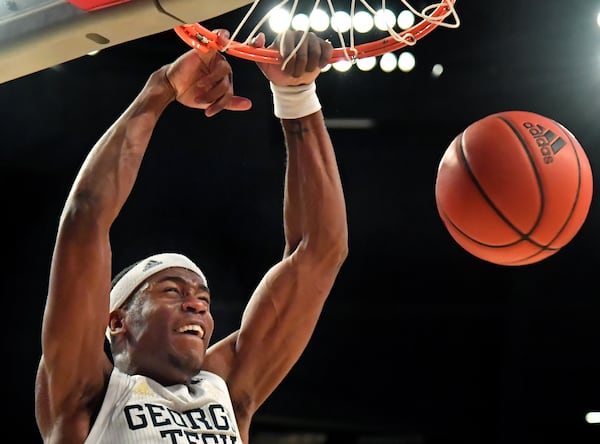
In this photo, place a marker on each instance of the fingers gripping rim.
(197, 36)
(200, 38)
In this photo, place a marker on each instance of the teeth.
(191, 327)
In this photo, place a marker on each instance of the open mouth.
(192, 329)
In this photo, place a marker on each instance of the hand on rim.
(204, 80)
(307, 53)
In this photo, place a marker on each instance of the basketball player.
(166, 384)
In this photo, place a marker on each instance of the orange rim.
(197, 36)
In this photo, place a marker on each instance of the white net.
(357, 29)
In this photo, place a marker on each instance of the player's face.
(172, 324)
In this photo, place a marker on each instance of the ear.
(116, 322)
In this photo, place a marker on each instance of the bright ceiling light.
(279, 20)
(406, 61)
(406, 19)
(319, 20)
(363, 22)
(342, 65)
(388, 62)
(301, 22)
(592, 418)
(437, 70)
(340, 21)
(384, 19)
(366, 63)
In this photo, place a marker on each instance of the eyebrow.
(180, 280)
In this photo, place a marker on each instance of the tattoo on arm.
(298, 130)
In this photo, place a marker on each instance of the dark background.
(420, 342)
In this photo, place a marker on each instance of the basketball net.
(387, 36)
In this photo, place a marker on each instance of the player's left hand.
(304, 66)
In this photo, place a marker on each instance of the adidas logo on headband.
(143, 270)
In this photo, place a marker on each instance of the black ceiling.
(420, 342)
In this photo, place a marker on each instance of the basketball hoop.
(348, 48)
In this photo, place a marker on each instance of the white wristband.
(293, 102)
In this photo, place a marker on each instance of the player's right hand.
(204, 80)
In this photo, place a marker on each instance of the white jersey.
(137, 409)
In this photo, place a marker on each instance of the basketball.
(513, 188)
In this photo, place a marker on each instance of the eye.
(172, 290)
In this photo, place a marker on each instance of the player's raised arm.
(283, 311)
(74, 370)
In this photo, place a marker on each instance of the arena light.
(406, 61)
(367, 63)
(300, 22)
(437, 70)
(592, 418)
(319, 20)
(406, 19)
(384, 19)
(363, 22)
(279, 20)
(388, 62)
(342, 65)
(341, 21)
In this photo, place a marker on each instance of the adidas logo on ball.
(498, 196)
(546, 140)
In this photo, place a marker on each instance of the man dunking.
(163, 383)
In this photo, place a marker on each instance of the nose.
(195, 304)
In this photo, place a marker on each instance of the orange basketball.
(514, 188)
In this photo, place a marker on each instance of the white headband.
(143, 270)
